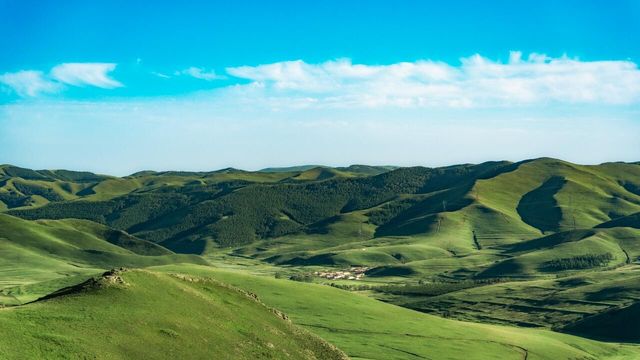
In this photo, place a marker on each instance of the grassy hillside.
(140, 314)
(537, 243)
(190, 214)
(486, 220)
(547, 302)
(475, 219)
(354, 170)
(368, 329)
(38, 256)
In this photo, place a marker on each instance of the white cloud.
(200, 73)
(29, 83)
(477, 82)
(83, 74)
(161, 75)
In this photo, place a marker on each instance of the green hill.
(486, 220)
(289, 169)
(140, 314)
(539, 243)
(464, 217)
(199, 213)
(368, 329)
(319, 173)
(39, 256)
(353, 169)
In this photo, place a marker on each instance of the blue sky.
(116, 87)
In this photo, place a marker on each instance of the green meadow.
(531, 260)
(146, 315)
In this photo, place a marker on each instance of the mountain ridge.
(403, 201)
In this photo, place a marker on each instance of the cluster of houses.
(354, 273)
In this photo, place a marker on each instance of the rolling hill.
(41, 256)
(142, 314)
(499, 202)
(539, 243)
(368, 329)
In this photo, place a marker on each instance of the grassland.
(507, 255)
(145, 315)
(39, 257)
(368, 329)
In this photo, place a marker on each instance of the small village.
(354, 273)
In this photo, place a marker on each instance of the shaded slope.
(565, 251)
(539, 208)
(552, 302)
(318, 173)
(50, 175)
(139, 314)
(20, 187)
(620, 324)
(367, 169)
(575, 196)
(448, 190)
(288, 169)
(632, 220)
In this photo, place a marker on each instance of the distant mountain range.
(191, 212)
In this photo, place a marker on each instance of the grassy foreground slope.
(145, 315)
(369, 329)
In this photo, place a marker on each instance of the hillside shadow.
(539, 208)
(550, 241)
(617, 324)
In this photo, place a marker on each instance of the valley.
(538, 259)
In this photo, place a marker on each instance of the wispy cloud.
(160, 75)
(29, 83)
(200, 73)
(86, 74)
(33, 83)
(476, 82)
